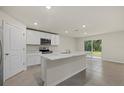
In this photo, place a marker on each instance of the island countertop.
(56, 56)
(57, 67)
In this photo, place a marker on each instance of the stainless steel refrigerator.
(1, 55)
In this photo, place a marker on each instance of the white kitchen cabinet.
(57, 39)
(54, 39)
(42, 35)
(33, 37)
(33, 59)
(48, 36)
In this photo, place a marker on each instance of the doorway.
(93, 48)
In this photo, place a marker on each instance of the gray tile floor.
(98, 73)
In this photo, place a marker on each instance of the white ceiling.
(98, 19)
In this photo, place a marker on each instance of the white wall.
(112, 45)
(66, 43)
(9, 19)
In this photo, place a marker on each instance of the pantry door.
(14, 46)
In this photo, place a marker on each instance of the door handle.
(7, 54)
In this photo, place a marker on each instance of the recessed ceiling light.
(66, 32)
(48, 7)
(35, 23)
(85, 33)
(83, 26)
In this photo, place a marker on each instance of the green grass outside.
(96, 53)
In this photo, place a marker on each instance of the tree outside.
(94, 47)
(97, 45)
(88, 46)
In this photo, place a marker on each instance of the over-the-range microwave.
(44, 41)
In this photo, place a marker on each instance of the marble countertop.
(56, 56)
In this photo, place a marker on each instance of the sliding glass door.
(93, 48)
(97, 48)
(88, 47)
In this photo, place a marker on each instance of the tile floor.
(98, 73)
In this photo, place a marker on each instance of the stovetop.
(47, 52)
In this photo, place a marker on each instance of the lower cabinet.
(33, 59)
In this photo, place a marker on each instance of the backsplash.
(35, 48)
(32, 48)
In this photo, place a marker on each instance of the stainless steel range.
(45, 50)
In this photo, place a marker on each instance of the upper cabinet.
(54, 39)
(33, 37)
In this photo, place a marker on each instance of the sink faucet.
(68, 51)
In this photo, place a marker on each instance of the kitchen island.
(57, 67)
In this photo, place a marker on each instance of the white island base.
(57, 68)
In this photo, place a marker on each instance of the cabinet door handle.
(23, 34)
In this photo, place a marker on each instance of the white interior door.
(13, 50)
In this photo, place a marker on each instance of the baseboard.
(33, 65)
(114, 61)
